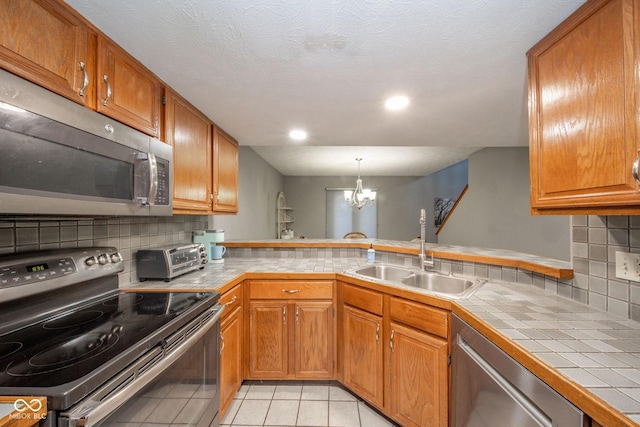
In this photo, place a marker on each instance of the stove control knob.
(90, 261)
(116, 257)
(103, 259)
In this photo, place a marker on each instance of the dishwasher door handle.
(523, 401)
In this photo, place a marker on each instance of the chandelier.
(359, 196)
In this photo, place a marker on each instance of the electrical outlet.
(628, 266)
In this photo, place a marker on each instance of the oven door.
(174, 384)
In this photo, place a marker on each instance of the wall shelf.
(285, 217)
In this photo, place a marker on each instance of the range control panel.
(33, 272)
(19, 274)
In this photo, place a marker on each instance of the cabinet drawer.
(291, 289)
(231, 299)
(362, 298)
(429, 319)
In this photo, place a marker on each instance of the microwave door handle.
(153, 178)
(91, 413)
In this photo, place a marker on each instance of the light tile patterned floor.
(297, 403)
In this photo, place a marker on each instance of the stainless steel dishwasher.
(489, 388)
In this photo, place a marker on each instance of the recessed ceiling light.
(298, 135)
(396, 102)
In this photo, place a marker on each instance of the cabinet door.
(583, 104)
(363, 354)
(313, 339)
(189, 132)
(44, 42)
(268, 340)
(418, 378)
(127, 91)
(230, 357)
(225, 172)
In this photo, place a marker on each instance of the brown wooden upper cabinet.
(205, 160)
(225, 172)
(584, 91)
(127, 91)
(188, 131)
(46, 42)
(82, 64)
(57, 64)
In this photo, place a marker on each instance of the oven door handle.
(92, 412)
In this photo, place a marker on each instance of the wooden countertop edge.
(599, 410)
(557, 272)
(34, 416)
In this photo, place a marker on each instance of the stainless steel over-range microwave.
(59, 158)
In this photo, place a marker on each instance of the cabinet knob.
(291, 291)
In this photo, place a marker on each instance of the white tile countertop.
(595, 350)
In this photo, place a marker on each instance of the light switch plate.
(628, 266)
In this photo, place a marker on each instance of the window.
(342, 219)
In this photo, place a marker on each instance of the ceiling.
(259, 68)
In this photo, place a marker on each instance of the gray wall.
(399, 200)
(494, 213)
(258, 187)
(447, 183)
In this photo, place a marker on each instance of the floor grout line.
(245, 395)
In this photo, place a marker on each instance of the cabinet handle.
(378, 333)
(391, 342)
(634, 170)
(291, 291)
(221, 343)
(234, 299)
(284, 315)
(297, 315)
(85, 80)
(106, 80)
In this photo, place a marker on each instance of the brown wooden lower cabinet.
(268, 339)
(418, 376)
(230, 364)
(395, 355)
(313, 339)
(231, 345)
(290, 336)
(363, 354)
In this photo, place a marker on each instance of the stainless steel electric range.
(100, 355)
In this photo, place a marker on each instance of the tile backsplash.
(128, 234)
(595, 241)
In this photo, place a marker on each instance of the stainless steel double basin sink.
(449, 285)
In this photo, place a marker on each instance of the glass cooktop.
(72, 344)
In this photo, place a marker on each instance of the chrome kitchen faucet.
(422, 257)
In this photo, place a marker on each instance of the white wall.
(494, 213)
(258, 187)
